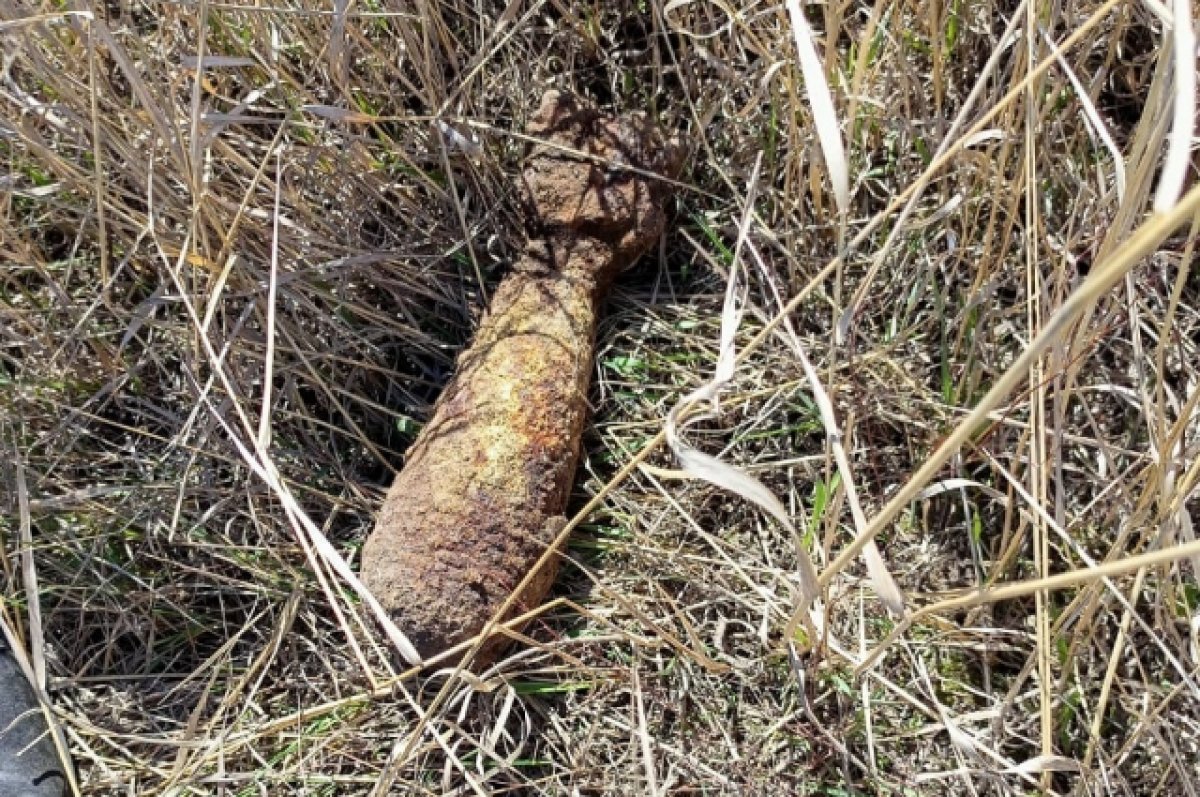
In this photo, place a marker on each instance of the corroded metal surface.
(486, 482)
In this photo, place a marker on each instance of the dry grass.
(171, 236)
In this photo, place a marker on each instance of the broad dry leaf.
(1179, 146)
(829, 131)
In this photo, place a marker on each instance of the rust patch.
(487, 480)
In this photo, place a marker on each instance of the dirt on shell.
(486, 482)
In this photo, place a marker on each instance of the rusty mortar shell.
(486, 482)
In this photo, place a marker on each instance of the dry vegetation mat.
(890, 483)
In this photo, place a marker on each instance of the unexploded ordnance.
(487, 480)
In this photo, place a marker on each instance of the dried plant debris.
(486, 483)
